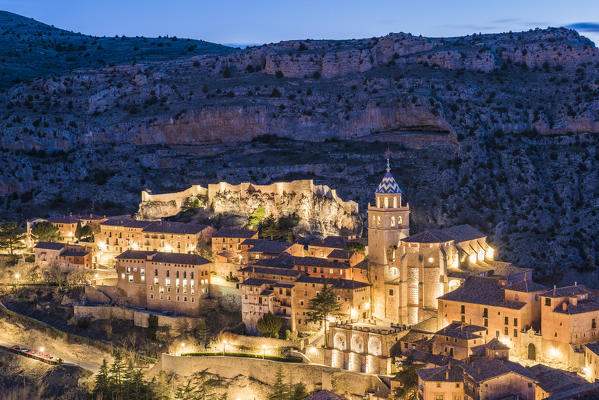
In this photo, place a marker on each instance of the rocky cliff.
(319, 208)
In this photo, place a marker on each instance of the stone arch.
(339, 341)
(375, 347)
(357, 344)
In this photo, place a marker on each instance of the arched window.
(395, 202)
(378, 202)
(378, 220)
(392, 221)
(386, 202)
(399, 220)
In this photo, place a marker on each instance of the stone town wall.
(139, 317)
(313, 376)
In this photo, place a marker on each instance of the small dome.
(388, 185)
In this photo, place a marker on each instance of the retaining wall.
(315, 377)
(139, 317)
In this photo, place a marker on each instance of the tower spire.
(388, 154)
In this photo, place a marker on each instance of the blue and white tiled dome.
(388, 184)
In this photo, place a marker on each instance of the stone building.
(489, 377)
(305, 277)
(67, 225)
(120, 234)
(159, 281)
(66, 256)
(457, 340)
(538, 325)
(228, 240)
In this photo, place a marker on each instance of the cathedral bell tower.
(388, 219)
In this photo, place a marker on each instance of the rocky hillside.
(30, 49)
(495, 130)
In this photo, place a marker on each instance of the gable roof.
(428, 236)
(479, 290)
(483, 369)
(566, 291)
(552, 380)
(126, 222)
(266, 246)
(67, 219)
(451, 372)
(463, 233)
(157, 256)
(273, 271)
(174, 227)
(49, 246)
(526, 286)
(229, 232)
(461, 331)
(341, 254)
(257, 282)
(337, 242)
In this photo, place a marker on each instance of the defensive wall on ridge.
(302, 197)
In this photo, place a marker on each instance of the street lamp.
(224, 347)
(42, 349)
(263, 351)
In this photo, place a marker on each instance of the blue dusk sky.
(265, 21)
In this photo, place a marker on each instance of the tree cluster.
(122, 381)
(281, 228)
(45, 232)
(270, 325)
(286, 391)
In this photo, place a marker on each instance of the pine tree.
(298, 392)
(78, 232)
(116, 376)
(323, 305)
(101, 387)
(186, 391)
(127, 381)
(162, 387)
(279, 391)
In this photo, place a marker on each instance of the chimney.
(554, 289)
(564, 306)
(575, 283)
(447, 374)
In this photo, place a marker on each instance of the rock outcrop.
(318, 207)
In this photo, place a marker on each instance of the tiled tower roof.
(388, 184)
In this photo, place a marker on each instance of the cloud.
(505, 20)
(584, 26)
